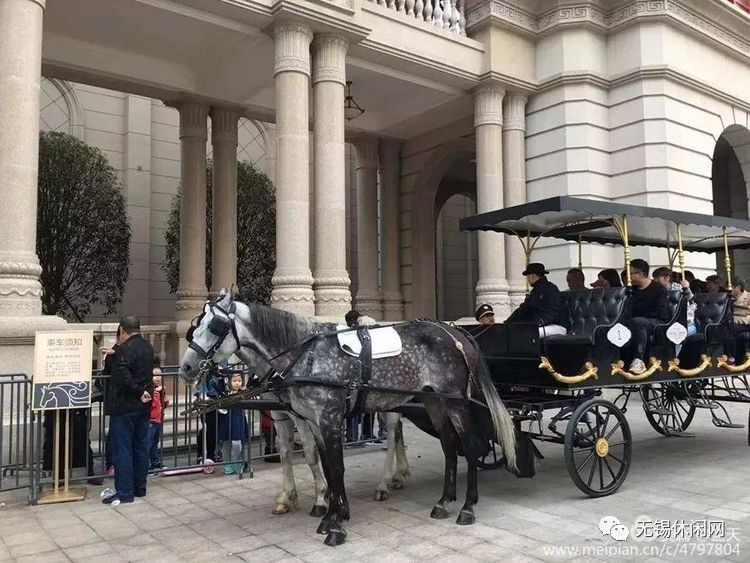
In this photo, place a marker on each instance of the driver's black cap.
(482, 310)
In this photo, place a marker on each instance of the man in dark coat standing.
(128, 401)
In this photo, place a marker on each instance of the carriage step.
(660, 411)
(706, 405)
(724, 424)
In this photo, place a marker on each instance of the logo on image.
(610, 526)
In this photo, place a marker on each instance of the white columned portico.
(20, 75)
(224, 220)
(332, 294)
(292, 279)
(191, 292)
(514, 184)
(368, 292)
(492, 286)
(393, 306)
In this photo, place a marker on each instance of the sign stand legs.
(67, 494)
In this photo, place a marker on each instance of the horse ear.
(236, 295)
(224, 295)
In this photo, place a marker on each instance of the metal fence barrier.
(186, 442)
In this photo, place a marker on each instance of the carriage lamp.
(351, 108)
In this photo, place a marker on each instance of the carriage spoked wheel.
(598, 447)
(668, 408)
(493, 459)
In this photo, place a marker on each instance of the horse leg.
(402, 464)
(449, 443)
(338, 510)
(310, 447)
(382, 491)
(287, 499)
(459, 416)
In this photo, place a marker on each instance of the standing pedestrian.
(159, 402)
(130, 390)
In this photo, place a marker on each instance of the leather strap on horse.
(460, 347)
(362, 376)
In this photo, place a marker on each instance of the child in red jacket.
(159, 402)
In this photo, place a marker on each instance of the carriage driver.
(542, 305)
(485, 314)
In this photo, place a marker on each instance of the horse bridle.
(220, 326)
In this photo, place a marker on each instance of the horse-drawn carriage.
(565, 375)
(456, 383)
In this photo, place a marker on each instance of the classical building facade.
(478, 104)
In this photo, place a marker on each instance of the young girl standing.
(233, 430)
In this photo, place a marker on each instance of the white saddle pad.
(385, 342)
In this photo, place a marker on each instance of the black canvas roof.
(572, 218)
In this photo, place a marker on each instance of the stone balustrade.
(443, 14)
(163, 338)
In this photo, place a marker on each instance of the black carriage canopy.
(576, 219)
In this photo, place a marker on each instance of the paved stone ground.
(206, 518)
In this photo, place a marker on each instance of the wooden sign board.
(62, 370)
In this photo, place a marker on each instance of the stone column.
(332, 295)
(393, 306)
(292, 279)
(20, 74)
(368, 292)
(191, 292)
(492, 287)
(224, 220)
(514, 184)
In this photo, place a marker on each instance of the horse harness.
(357, 386)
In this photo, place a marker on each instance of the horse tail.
(505, 428)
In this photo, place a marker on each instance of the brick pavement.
(207, 518)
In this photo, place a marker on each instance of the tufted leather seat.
(677, 305)
(712, 314)
(590, 310)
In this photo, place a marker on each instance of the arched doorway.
(730, 179)
(456, 265)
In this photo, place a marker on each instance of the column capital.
(329, 59)
(292, 48)
(224, 124)
(366, 149)
(390, 153)
(488, 105)
(193, 116)
(514, 111)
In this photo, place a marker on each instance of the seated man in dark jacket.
(542, 306)
(650, 307)
(128, 404)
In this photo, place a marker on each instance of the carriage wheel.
(668, 408)
(598, 447)
(493, 459)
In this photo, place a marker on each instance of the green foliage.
(83, 234)
(256, 234)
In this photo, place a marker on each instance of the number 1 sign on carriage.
(619, 335)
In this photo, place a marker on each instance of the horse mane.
(286, 329)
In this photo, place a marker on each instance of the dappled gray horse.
(314, 377)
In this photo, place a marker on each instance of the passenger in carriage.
(715, 284)
(672, 281)
(542, 305)
(741, 314)
(650, 307)
(485, 314)
(576, 279)
(607, 278)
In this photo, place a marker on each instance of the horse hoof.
(280, 508)
(439, 513)
(465, 518)
(335, 538)
(323, 527)
(318, 511)
(397, 484)
(382, 495)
